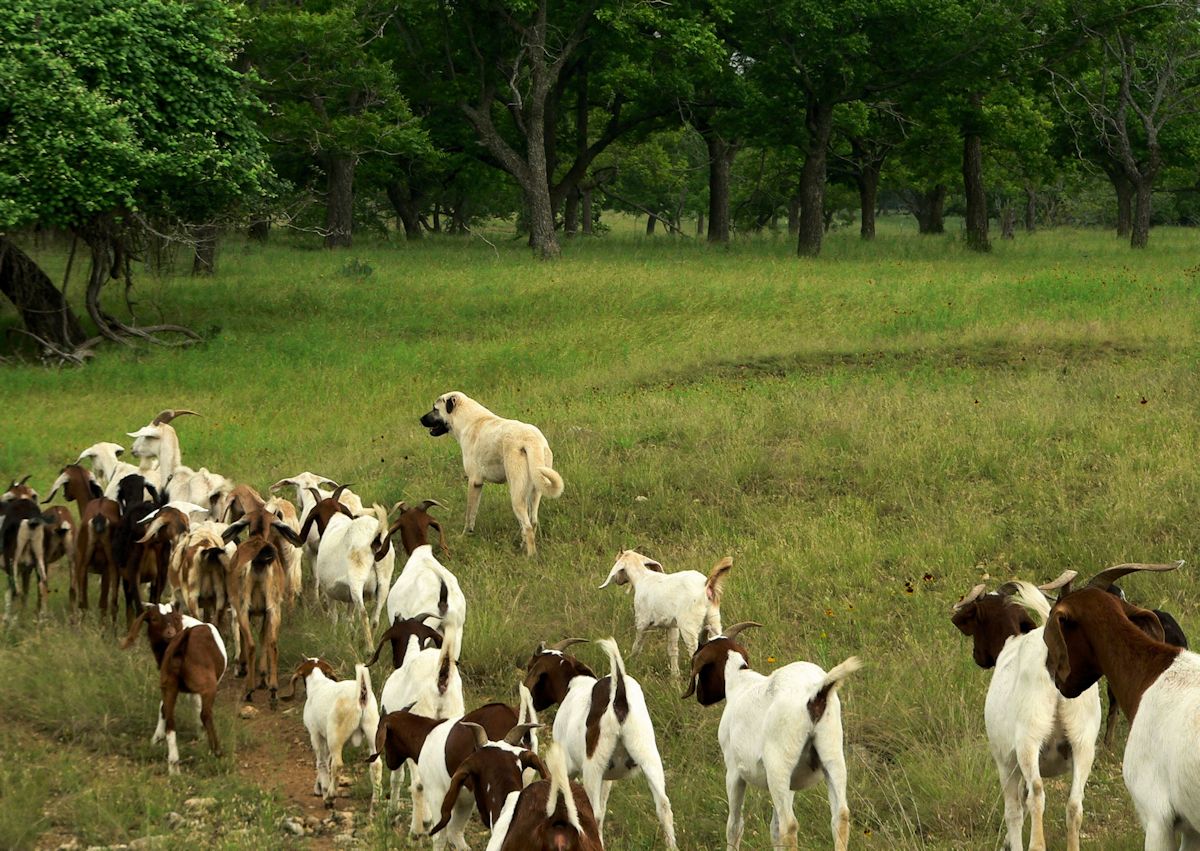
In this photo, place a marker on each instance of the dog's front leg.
(474, 491)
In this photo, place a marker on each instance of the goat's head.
(302, 481)
(305, 669)
(1070, 657)
(627, 562)
(19, 490)
(413, 524)
(77, 483)
(989, 619)
(402, 631)
(162, 624)
(440, 419)
(549, 672)
(707, 677)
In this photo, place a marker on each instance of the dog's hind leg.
(474, 491)
(520, 486)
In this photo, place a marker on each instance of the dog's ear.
(450, 403)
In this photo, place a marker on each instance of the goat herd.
(226, 556)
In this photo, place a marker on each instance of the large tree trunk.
(339, 200)
(1030, 208)
(650, 223)
(868, 193)
(204, 261)
(1139, 235)
(1123, 186)
(406, 209)
(972, 169)
(928, 207)
(1008, 222)
(720, 166)
(585, 211)
(571, 213)
(819, 118)
(43, 309)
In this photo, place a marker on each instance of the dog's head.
(440, 419)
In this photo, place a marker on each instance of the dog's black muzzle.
(434, 422)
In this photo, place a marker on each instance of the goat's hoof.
(329, 803)
(249, 698)
(173, 768)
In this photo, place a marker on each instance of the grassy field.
(866, 434)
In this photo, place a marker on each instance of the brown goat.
(257, 584)
(551, 815)
(191, 660)
(491, 771)
(80, 486)
(401, 631)
(413, 524)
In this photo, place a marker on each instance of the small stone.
(71, 844)
(312, 822)
(200, 803)
(345, 839)
(292, 826)
(640, 498)
(175, 821)
(344, 816)
(247, 712)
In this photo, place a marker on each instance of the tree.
(333, 98)
(1137, 75)
(113, 115)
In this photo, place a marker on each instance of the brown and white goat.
(414, 522)
(434, 748)
(550, 815)
(191, 660)
(1091, 633)
(80, 486)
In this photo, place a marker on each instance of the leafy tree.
(333, 99)
(111, 115)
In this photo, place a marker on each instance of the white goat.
(782, 732)
(426, 683)
(425, 585)
(1033, 731)
(292, 561)
(1090, 633)
(336, 712)
(605, 747)
(108, 469)
(682, 603)
(356, 561)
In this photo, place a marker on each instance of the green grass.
(866, 434)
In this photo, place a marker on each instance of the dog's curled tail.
(548, 481)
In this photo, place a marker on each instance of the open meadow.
(867, 434)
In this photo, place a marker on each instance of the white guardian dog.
(496, 450)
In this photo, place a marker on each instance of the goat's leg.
(1160, 836)
(271, 654)
(735, 791)
(206, 718)
(160, 731)
(474, 490)
(673, 650)
(1012, 785)
(1027, 761)
(1110, 723)
(168, 711)
(335, 767)
(593, 785)
(784, 821)
(639, 639)
(1082, 755)
(645, 754)
(249, 656)
(417, 789)
(839, 813)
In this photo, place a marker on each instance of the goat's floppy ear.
(651, 564)
(288, 533)
(1146, 621)
(530, 759)
(234, 530)
(94, 489)
(135, 629)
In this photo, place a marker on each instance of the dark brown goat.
(990, 620)
(191, 660)
(324, 510)
(399, 634)
(553, 815)
(413, 524)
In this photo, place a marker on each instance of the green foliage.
(107, 106)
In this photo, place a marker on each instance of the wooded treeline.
(137, 129)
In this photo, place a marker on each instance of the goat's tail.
(177, 647)
(381, 732)
(819, 701)
(716, 580)
(362, 674)
(527, 714)
(617, 695)
(1031, 597)
(157, 523)
(445, 668)
(560, 784)
(99, 524)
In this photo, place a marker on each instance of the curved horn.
(517, 733)
(424, 616)
(733, 631)
(481, 736)
(1110, 575)
(291, 694)
(337, 493)
(399, 506)
(166, 416)
(280, 485)
(1062, 584)
(567, 642)
(24, 479)
(430, 503)
(973, 595)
